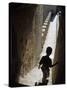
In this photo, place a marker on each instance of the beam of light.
(51, 39)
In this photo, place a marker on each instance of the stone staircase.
(45, 27)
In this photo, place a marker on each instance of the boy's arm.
(39, 66)
(54, 64)
(41, 62)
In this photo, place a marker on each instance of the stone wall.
(28, 22)
(58, 72)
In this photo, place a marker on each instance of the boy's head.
(49, 51)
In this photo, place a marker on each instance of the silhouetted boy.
(46, 63)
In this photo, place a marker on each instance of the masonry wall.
(29, 37)
(25, 39)
(58, 76)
